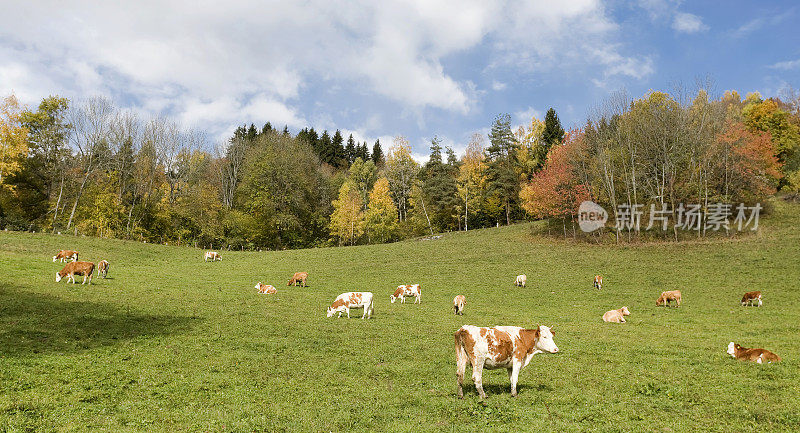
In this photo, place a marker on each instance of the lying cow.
(750, 297)
(521, 280)
(76, 268)
(508, 347)
(65, 256)
(265, 289)
(346, 301)
(616, 316)
(458, 305)
(666, 297)
(102, 268)
(598, 282)
(407, 290)
(756, 355)
(212, 255)
(298, 278)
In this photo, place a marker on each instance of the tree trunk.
(80, 193)
(58, 203)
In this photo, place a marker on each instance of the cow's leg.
(84, 279)
(513, 375)
(348, 312)
(759, 302)
(461, 366)
(477, 375)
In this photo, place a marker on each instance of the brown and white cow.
(458, 305)
(346, 301)
(66, 255)
(212, 255)
(616, 316)
(598, 282)
(407, 290)
(756, 355)
(521, 280)
(508, 347)
(666, 297)
(750, 297)
(76, 268)
(102, 268)
(266, 289)
(298, 278)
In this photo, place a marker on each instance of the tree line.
(88, 167)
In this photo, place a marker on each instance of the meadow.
(170, 343)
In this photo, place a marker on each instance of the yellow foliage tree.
(13, 138)
(347, 219)
(472, 177)
(381, 217)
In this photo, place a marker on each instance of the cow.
(666, 297)
(76, 268)
(405, 290)
(265, 289)
(521, 280)
(751, 297)
(616, 316)
(508, 347)
(102, 268)
(212, 255)
(346, 301)
(298, 278)
(756, 355)
(458, 305)
(65, 256)
(598, 282)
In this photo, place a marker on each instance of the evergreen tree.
(502, 181)
(286, 131)
(337, 150)
(326, 148)
(377, 153)
(266, 129)
(440, 188)
(552, 135)
(350, 150)
(251, 132)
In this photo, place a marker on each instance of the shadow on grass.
(33, 323)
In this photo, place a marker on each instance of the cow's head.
(55, 258)
(291, 280)
(58, 277)
(660, 300)
(331, 312)
(392, 299)
(732, 349)
(258, 286)
(545, 341)
(624, 311)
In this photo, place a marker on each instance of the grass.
(170, 343)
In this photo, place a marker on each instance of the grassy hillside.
(170, 343)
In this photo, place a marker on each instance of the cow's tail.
(461, 360)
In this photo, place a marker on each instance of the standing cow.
(407, 290)
(349, 300)
(65, 256)
(212, 255)
(508, 347)
(102, 268)
(521, 280)
(298, 278)
(76, 268)
(598, 282)
(458, 305)
(666, 297)
(750, 297)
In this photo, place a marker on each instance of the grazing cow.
(666, 297)
(102, 268)
(508, 347)
(751, 297)
(76, 268)
(521, 280)
(598, 282)
(346, 301)
(212, 255)
(298, 278)
(458, 305)
(756, 355)
(406, 290)
(66, 255)
(266, 289)
(616, 316)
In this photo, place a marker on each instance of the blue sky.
(381, 69)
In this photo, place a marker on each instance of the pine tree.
(326, 148)
(251, 133)
(350, 150)
(266, 129)
(377, 154)
(503, 183)
(440, 188)
(337, 150)
(552, 135)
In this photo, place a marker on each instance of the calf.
(212, 255)
(666, 297)
(76, 268)
(266, 289)
(66, 255)
(508, 347)
(102, 268)
(751, 297)
(346, 301)
(756, 355)
(406, 290)
(521, 280)
(298, 278)
(616, 316)
(598, 282)
(458, 305)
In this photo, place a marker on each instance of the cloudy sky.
(384, 68)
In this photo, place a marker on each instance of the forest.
(86, 167)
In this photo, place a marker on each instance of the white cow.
(346, 301)
(407, 290)
(521, 280)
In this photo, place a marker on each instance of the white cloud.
(787, 65)
(498, 85)
(524, 117)
(688, 23)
